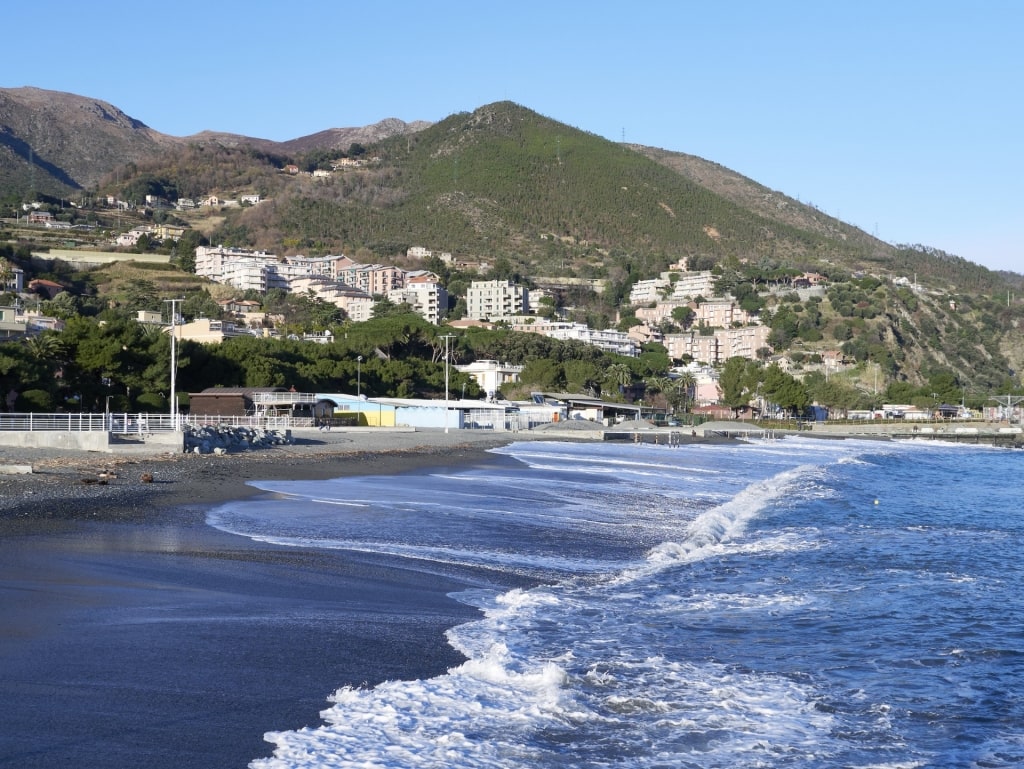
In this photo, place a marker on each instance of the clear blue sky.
(902, 117)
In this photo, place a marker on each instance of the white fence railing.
(145, 423)
(283, 398)
(138, 423)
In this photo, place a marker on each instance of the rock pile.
(222, 439)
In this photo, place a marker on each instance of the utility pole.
(447, 338)
(174, 361)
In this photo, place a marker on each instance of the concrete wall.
(90, 440)
(95, 440)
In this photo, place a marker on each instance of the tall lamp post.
(174, 362)
(359, 376)
(447, 338)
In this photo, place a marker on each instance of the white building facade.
(495, 300)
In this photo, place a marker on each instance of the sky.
(902, 117)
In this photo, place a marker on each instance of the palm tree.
(619, 374)
(45, 348)
(685, 384)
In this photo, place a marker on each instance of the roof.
(241, 390)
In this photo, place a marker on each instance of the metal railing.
(111, 422)
(142, 423)
(283, 398)
(138, 423)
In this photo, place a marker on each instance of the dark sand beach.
(135, 635)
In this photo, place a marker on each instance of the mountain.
(337, 139)
(505, 182)
(54, 142)
(527, 196)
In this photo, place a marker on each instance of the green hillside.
(505, 181)
(525, 196)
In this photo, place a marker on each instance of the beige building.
(207, 331)
(725, 343)
(720, 313)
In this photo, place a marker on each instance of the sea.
(796, 602)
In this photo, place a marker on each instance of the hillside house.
(238, 306)
(14, 277)
(9, 324)
(46, 288)
(40, 217)
(491, 375)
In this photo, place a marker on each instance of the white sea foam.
(713, 529)
(673, 659)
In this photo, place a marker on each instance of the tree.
(199, 304)
(835, 394)
(620, 375)
(683, 387)
(140, 295)
(185, 250)
(683, 316)
(544, 373)
(733, 381)
(782, 389)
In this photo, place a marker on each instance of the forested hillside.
(515, 195)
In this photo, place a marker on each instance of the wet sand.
(134, 635)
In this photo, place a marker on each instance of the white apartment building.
(210, 260)
(245, 274)
(648, 291)
(694, 284)
(687, 285)
(359, 307)
(495, 300)
(419, 252)
(425, 295)
(610, 340)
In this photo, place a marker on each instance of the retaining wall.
(84, 440)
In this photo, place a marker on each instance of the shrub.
(152, 402)
(34, 401)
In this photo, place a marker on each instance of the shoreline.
(137, 634)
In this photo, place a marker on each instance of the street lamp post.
(359, 376)
(174, 362)
(447, 338)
